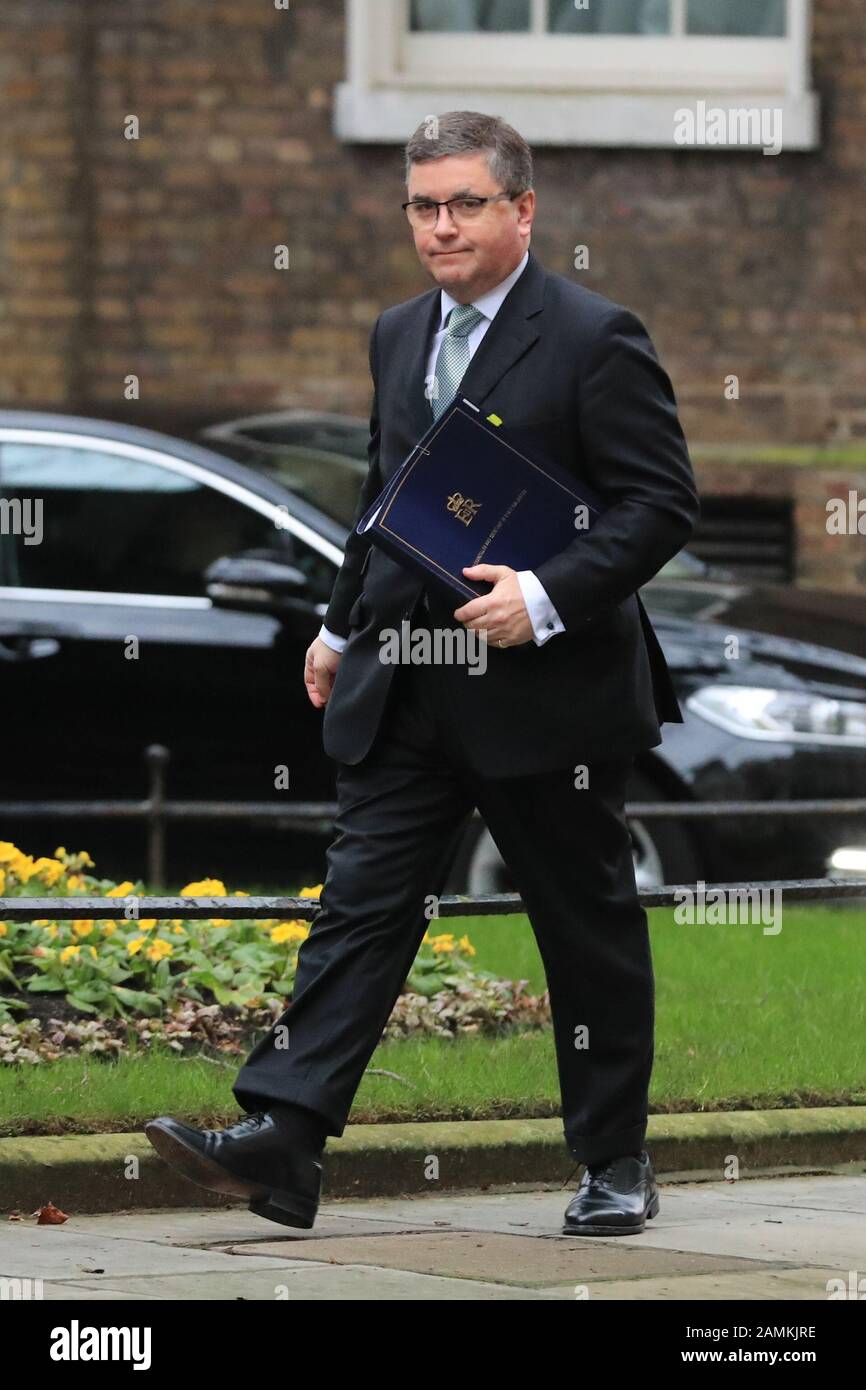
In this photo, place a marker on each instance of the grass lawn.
(742, 1020)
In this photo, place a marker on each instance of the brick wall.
(155, 256)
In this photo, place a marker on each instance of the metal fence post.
(156, 757)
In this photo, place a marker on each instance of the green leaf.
(80, 1003)
(137, 999)
(6, 971)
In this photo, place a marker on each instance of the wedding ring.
(502, 644)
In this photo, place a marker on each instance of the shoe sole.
(283, 1207)
(652, 1210)
(274, 1204)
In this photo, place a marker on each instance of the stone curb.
(121, 1172)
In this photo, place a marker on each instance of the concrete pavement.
(778, 1238)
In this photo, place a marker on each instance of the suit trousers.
(402, 812)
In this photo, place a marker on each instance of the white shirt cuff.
(331, 639)
(546, 622)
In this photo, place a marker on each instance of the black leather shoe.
(614, 1198)
(254, 1158)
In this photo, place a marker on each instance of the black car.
(165, 593)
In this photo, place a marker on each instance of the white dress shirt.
(546, 622)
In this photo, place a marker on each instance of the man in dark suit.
(542, 742)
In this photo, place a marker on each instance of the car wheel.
(663, 852)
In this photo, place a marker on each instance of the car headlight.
(789, 715)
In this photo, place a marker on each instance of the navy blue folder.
(466, 496)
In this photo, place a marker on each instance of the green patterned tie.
(453, 356)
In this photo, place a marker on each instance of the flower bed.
(125, 981)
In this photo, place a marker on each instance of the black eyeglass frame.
(464, 197)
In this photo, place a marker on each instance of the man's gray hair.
(509, 158)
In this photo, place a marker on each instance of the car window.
(117, 524)
(328, 436)
(330, 482)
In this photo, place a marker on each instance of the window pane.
(499, 16)
(117, 524)
(746, 17)
(329, 481)
(610, 17)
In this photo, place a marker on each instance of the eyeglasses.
(424, 212)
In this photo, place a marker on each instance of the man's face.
(469, 258)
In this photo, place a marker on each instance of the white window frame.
(569, 89)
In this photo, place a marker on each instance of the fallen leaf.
(50, 1215)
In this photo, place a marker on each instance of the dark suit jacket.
(575, 378)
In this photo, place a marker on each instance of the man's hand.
(502, 612)
(320, 668)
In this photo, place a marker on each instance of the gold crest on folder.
(463, 508)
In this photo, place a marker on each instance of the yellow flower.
(467, 946)
(49, 870)
(158, 949)
(3, 929)
(311, 892)
(220, 921)
(147, 923)
(8, 851)
(82, 856)
(289, 931)
(23, 867)
(108, 928)
(135, 944)
(178, 929)
(442, 944)
(120, 890)
(68, 952)
(207, 888)
(75, 881)
(82, 928)
(2, 880)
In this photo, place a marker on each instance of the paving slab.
(759, 1284)
(44, 1252)
(507, 1259)
(761, 1239)
(318, 1282)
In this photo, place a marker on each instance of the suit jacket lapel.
(510, 335)
(423, 325)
